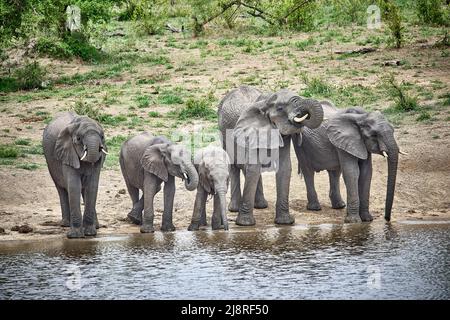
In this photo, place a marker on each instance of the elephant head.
(360, 133)
(82, 140)
(284, 111)
(166, 159)
(213, 171)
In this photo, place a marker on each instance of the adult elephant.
(146, 162)
(74, 148)
(256, 132)
(345, 144)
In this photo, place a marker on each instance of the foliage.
(7, 151)
(391, 14)
(403, 101)
(430, 11)
(197, 108)
(30, 76)
(148, 15)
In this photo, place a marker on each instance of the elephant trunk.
(222, 192)
(191, 181)
(92, 145)
(309, 113)
(392, 152)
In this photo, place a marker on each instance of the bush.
(8, 151)
(30, 76)
(149, 15)
(197, 108)
(403, 102)
(430, 11)
(423, 116)
(83, 108)
(391, 14)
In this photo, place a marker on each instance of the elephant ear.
(343, 132)
(153, 161)
(254, 128)
(64, 148)
(203, 178)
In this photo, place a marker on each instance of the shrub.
(197, 108)
(30, 76)
(403, 102)
(83, 108)
(430, 11)
(392, 16)
(7, 151)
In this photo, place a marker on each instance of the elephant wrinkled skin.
(213, 168)
(262, 124)
(74, 148)
(146, 162)
(345, 144)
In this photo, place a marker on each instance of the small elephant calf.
(213, 168)
(146, 162)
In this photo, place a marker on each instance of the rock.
(25, 229)
(2, 230)
(15, 228)
(411, 211)
(392, 63)
(117, 195)
(49, 210)
(50, 224)
(122, 191)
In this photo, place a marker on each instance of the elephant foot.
(338, 204)
(75, 233)
(90, 231)
(313, 206)
(366, 217)
(261, 204)
(65, 223)
(193, 226)
(352, 218)
(135, 217)
(97, 224)
(245, 219)
(233, 207)
(284, 219)
(167, 227)
(147, 229)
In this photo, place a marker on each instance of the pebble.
(122, 191)
(22, 229)
(2, 230)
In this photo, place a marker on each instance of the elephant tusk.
(104, 151)
(185, 176)
(384, 154)
(298, 120)
(403, 153)
(84, 155)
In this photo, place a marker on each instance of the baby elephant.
(146, 162)
(345, 144)
(213, 168)
(75, 149)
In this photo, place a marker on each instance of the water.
(361, 261)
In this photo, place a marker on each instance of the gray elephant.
(213, 168)
(345, 143)
(146, 162)
(256, 131)
(74, 148)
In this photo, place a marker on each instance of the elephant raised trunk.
(308, 113)
(392, 153)
(191, 178)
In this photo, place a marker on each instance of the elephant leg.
(83, 194)
(311, 194)
(65, 208)
(260, 200)
(365, 177)
(245, 216)
(169, 194)
(199, 209)
(216, 220)
(90, 198)
(203, 221)
(235, 187)
(283, 179)
(350, 172)
(335, 190)
(151, 186)
(74, 193)
(135, 215)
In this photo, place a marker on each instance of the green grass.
(27, 166)
(197, 109)
(142, 101)
(22, 142)
(316, 87)
(170, 97)
(114, 144)
(302, 45)
(7, 151)
(154, 114)
(111, 120)
(424, 116)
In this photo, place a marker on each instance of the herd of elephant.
(257, 128)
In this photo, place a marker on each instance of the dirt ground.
(423, 180)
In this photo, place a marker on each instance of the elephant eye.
(78, 138)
